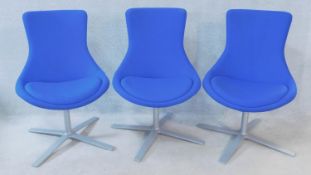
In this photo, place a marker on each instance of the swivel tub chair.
(251, 75)
(156, 72)
(60, 73)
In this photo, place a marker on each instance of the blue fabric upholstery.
(156, 71)
(152, 88)
(252, 75)
(60, 72)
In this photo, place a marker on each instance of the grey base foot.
(152, 132)
(182, 137)
(90, 141)
(232, 146)
(238, 136)
(217, 129)
(132, 127)
(151, 137)
(49, 151)
(46, 131)
(65, 135)
(270, 145)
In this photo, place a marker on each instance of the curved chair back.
(255, 46)
(155, 44)
(57, 46)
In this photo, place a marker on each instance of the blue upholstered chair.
(156, 72)
(60, 73)
(251, 75)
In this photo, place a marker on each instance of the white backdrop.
(107, 41)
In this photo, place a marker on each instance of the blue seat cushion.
(247, 93)
(156, 89)
(65, 92)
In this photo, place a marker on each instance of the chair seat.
(156, 89)
(66, 92)
(246, 93)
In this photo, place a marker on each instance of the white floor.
(18, 148)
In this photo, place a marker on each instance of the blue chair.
(60, 73)
(251, 75)
(156, 72)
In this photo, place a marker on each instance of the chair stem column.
(244, 123)
(156, 119)
(67, 121)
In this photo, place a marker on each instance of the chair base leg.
(152, 132)
(65, 135)
(46, 131)
(238, 136)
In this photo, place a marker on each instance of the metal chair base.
(238, 136)
(152, 132)
(68, 133)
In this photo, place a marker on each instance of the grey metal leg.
(240, 135)
(153, 131)
(49, 151)
(69, 133)
(182, 137)
(270, 145)
(151, 137)
(231, 148)
(85, 124)
(132, 127)
(46, 131)
(217, 129)
(93, 142)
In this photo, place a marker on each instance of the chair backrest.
(255, 46)
(57, 46)
(155, 43)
